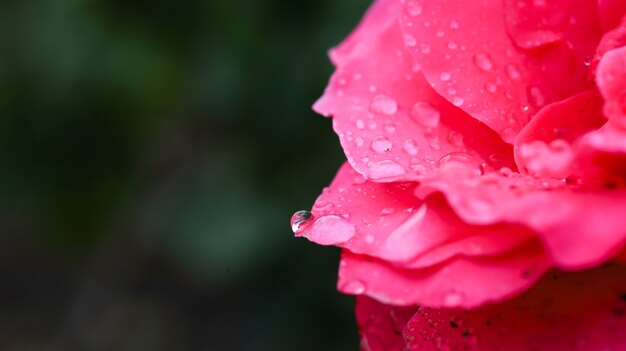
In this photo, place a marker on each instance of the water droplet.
(587, 61)
(462, 159)
(440, 33)
(425, 49)
(387, 211)
(299, 220)
(390, 128)
(454, 25)
(426, 114)
(385, 169)
(535, 96)
(483, 61)
(359, 124)
(452, 299)
(410, 147)
(508, 135)
(381, 144)
(354, 287)
(445, 76)
(414, 8)
(452, 45)
(490, 87)
(512, 71)
(457, 101)
(358, 141)
(409, 40)
(383, 104)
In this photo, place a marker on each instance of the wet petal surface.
(576, 311)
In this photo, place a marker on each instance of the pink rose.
(486, 147)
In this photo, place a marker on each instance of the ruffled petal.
(381, 326)
(579, 229)
(583, 311)
(468, 57)
(544, 146)
(387, 221)
(462, 282)
(391, 124)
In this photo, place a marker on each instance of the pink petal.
(579, 229)
(466, 54)
(391, 124)
(612, 84)
(613, 39)
(380, 326)
(583, 311)
(463, 282)
(385, 220)
(611, 12)
(543, 147)
(533, 24)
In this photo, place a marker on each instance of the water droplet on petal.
(410, 147)
(483, 61)
(508, 135)
(490, 87)
(354, 287)
(462, 159)
(425, 49)
(385, 169)
(535, 96)
(425, 114)
(299, 220)
(383, 104)
(387, 211)
(359, 124)
(452, 299)
(381, 144)
(358, 141)
(414, 8)
(512, 71)
(445, 76)
(457, 101)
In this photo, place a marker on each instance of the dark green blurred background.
(151, 155)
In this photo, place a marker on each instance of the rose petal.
(392, 125)
(610, 80)
(380, 326)
(544, 148)
(579, 229)
(385, 220)
(467, 56)
(611, 11)
(576, 311)
(464, 282)
(535, 23)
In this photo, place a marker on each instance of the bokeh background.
(151, 155)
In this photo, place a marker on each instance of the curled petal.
(391, 124)
(387, 221)
(460, 282)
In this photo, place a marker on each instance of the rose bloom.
(483, 202)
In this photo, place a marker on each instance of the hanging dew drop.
(300, 220)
